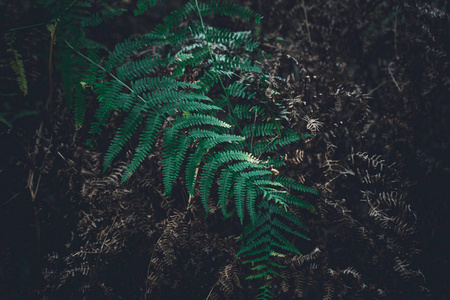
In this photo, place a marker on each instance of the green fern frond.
(99, 18)
(221, 8)
(144, 5)
(237, 89)
(225, 62)
(194, 59)
(211, 77)
(172, 162)
(233, 40)
(225, 8)
(175, 18)
(276, 162)
(152, 126)
(251, 200)
(108, 92)
(287, 198)
(286, 214)
(147, 84)
(204, 137)
(198, 120)
(225, 183)
(144, 66)
(173, 139)
(204, 146)
(158, 98)
(259, 130)
(186, 105)
(244, 165)
(16, 63)
(276, 142)
(292, 184)
(210, 168)
(266, 293)
(128, 47)
(123, 134)
(240, 193)
(248, 111)
(256, 173)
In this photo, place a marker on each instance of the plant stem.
(231, 113)
(307, 23)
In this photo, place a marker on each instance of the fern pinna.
(231, 138)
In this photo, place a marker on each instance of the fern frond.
(198, 120)
(144, 5)
(173, 139)
(251, 199)
(200, 134)
(225, 8)
(143, 67)
(277, 162)
(161, 83)
(237, 89)
(277, 142)
(286, 214)
(244, 165)
(210, 140)
(292, 184)
(175, 18)
(16, 63)
(157, 98)
(239, 193)
(99, 18)
(225, 62)
(193, 59)
(123, 134)
(248, 111)
(287, 198)
(222, 36)
(108, 92)
(172, 162)
(210, 168)
(128, 47)
(152, 126)
(186, 105)
(258, 130)
(225, 183)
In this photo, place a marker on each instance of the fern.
(144, 5)
(69, 26)
(228, 139)
(16, 63)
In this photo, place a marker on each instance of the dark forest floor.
(369, 79)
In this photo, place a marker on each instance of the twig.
(395, 32)
(392, 76)
(307, 23)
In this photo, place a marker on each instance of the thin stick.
(307, 23)
(395, 32)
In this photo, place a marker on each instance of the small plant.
(201, 93)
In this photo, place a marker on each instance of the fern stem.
(112, 75)
(104, 69)
(231, 114)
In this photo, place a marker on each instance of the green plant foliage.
(229, 137)
(71, 22)
(16, 63)
(144, 5)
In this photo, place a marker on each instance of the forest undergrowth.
(367, 80)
